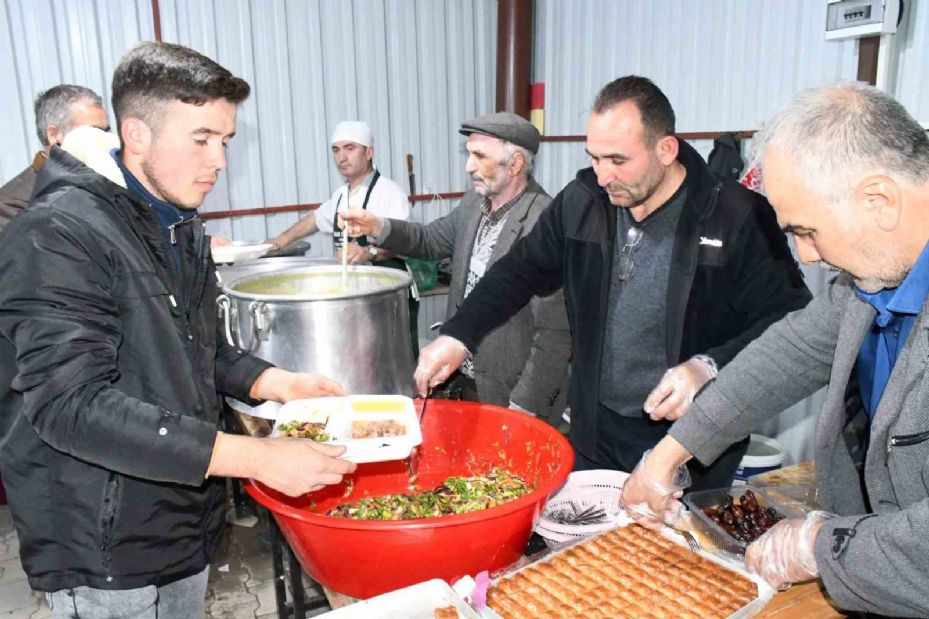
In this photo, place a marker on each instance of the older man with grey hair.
(524, 363)
(58, 110)
(847, 171)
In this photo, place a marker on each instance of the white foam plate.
(239, 252)
(341, 412)
(268, 410)
(418, 601)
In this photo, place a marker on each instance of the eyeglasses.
(633, 236)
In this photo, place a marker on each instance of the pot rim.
(404, 281)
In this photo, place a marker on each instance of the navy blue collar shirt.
(897, 309)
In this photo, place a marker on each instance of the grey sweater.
(874, 556)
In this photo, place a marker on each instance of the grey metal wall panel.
(410, 69)
(723, 64)
(913, 54)
(48, 42)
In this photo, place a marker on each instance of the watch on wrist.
(372, 252)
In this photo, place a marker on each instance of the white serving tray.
(239, 252)
(342, 411)
(268, 410)
(765, 591)
(418, 601)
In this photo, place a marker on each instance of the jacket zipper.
(108, 517)
(905, 440)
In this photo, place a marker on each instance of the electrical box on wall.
(846, 19)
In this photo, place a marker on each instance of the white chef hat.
(356, 131)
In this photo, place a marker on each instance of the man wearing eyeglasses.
(668, 272)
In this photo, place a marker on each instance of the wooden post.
(514, 56)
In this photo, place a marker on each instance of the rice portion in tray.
(630, 572)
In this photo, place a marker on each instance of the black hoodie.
(109, 373)
(731, 276)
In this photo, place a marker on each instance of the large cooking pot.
(308, 320)
(232, 272)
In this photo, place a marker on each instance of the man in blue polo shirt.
(847, 171)
(897, 309)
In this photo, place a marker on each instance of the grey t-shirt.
(634, 350)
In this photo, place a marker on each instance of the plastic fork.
(645, 510)
(688, 536)
(412, 464)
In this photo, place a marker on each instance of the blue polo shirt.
(897, 309)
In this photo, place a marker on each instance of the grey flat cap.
(506, 126)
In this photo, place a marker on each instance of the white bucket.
(764, 454)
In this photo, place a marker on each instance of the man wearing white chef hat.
(366, 188)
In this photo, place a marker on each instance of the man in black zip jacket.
(110, 365)
(663, 266)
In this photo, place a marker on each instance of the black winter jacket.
(109, 373)
(731, 276)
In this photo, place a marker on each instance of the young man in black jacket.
(663, 266)
(110, 366)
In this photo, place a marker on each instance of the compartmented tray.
(373, 428)
(419, 601)
(711, 535)
(677, 584)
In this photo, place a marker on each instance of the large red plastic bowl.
(365, 558)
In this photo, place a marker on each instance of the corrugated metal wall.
(48, 42)
(413, 70)
(911, 87)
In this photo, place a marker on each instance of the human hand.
(356, 253)
(676, 390)
(296, 466)
(219, 241)
(785, 553)
(293, 466)
(437, 361)
(650, 493)
(282, 386)
(361, 222)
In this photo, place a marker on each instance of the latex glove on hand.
(437, 361)
(356, 254)
(219, 241)
(360, 222)
(651, 499)
(784, 554)
(676, 391)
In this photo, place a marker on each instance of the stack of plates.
(596, 491)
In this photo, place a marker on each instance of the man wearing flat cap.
(523, 363)
(366, 188)
(668, 272)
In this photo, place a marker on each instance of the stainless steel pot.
(233, 272)
(305, 320)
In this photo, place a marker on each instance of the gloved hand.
(437, 361)
(676, 391)
(651, 499)
(784, 554)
